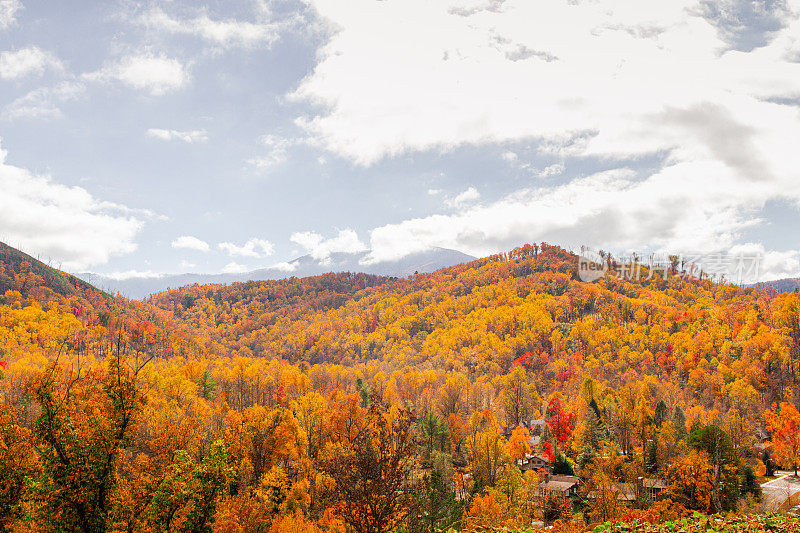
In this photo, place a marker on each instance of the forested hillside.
(501, 392)
(527, 306)
(36, 274)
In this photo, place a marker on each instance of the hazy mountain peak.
(142, 286)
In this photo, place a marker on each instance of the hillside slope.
(780, 285)
(624, 380)
(15, 265)
(525, 306)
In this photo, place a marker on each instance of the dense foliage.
(700, 524)
(349, 402)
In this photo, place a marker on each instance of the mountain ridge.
(15, 262)
(779, 285)
(304, 266)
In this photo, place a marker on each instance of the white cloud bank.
(613, 80)
(65, 224)
(768, 265)
(253, 248)
(320, 248)
(155, 74)
(8, 12)
(189, 242)
(466, 197)
(191, 136)
(277, 151)
(234, 268)
(27, 62)
(620, 64)
(44, 102)
(226, 33)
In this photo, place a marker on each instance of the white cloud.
(131, 274)
(192, 136)
(234, 268)
(226, 33)
(551, 170)
(44, 102)
(277, 151)
(617, 81)
(26, 62)
(610, 210)
(155, 74)
(320, 248)
(187, 264)
(620, 65)
(65, 224)
(434, 192)
(8, 12)
(463, 198)
(191, 243)
(751, 262)
(284, 267)
(249, 249)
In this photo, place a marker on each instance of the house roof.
(569, 479)
(530, 457)
(652, 483)
(626, 492)
(556, 486)
(560, 483)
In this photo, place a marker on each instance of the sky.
(143, 138)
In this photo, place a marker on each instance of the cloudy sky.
(165, 137)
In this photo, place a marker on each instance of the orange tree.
(85, 423)
(17, 464)
(784, 422)
(691, 481)
(370, 465)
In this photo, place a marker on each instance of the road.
(778, 490)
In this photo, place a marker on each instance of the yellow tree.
(691, 481)
(486, 445)
(516, 397)
(601, 486)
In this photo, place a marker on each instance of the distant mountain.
(429, 261)
(779, 285)
(14, 263)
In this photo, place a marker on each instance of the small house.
(563, 487)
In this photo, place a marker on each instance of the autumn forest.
(501, 393)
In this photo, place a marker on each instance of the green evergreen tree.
(719, 447)
(679, 420)
(435, 508)
(206, 385)
(769, 464)
(651, 457)
(591, 436)
(563, 466)
(434, 432)
(661, 413)
(750, 484)
(363, 391)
